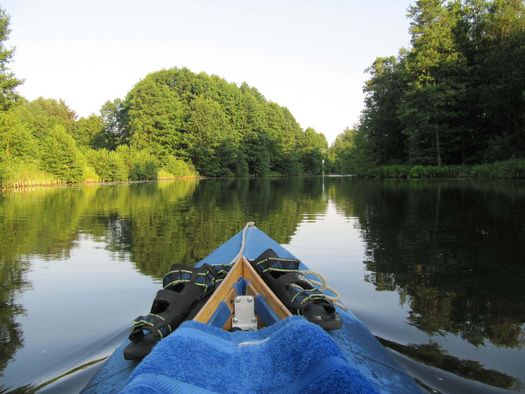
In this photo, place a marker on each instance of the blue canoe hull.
(357, 343)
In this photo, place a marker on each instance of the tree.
(89, 132)
(155, 120)
(384, 91)
(224, 129)
(109, 166)
(313, 152)
(8, 82)
(61, 157)
(350, 152)
(16, 141)
(42, 115)
(432, 109)
(492, 36)
(114, 116)
(208, 131)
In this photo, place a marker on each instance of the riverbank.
(510, 169)
(98, 167)
(29, 177)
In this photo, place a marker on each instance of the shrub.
(109, 166)
(179, 168)
(514, 168)
(90, 175)
(141, 164)
(16, 141)
(61, 157)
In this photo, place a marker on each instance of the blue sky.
(309, 56)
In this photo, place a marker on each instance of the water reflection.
(433, 354)
(451, 250)
(153, 225)
(10, 330)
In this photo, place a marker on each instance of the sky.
(309, 56)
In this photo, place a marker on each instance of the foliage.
(61, 157)
(223, 128)
(350, 153)
(24, 174)
(115, 132)
(16, 141)
(89, 174)
(178, 168)
(8, 82)
(155, 116)
(209, 137)
(89, 132)
(109, 166)
(510, 169)
(174, 121)
(455, 97)
(140, 164)
(42, 115)
(314, 149)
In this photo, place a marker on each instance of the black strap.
(295, 278)
(168, 296)
(178, 274)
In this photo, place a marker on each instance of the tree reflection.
(453, 250)
(432, 354)
(184, 231)
(154, 225)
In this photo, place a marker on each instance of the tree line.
(455, 97)
(172, 123)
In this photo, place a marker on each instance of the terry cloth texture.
(291, 356)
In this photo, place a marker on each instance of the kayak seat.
(291, 356)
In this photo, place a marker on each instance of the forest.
(173, 123)
(450, 104)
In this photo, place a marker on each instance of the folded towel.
(290, 356)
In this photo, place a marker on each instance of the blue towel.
(290, 356)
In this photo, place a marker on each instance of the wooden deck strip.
(225, 292)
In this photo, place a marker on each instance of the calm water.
(436, 270)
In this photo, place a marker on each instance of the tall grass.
(14, 175)
(510, 169)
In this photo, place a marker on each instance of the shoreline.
(508, 169)
(57, 184)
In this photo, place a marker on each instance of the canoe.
(366, 357)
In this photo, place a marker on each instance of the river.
(435, 269)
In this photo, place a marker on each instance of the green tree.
(351, 152)
(155, 119)
(492, 37)
(313, 152)
(61, 157)
(109, 166)
(114, 116)
(89, 132)
(42, 115)
(432, 109)
(208, 131)
(8, 82)
(16, 141)
(380, 119)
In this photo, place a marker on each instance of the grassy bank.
(100, 168)
(510, 169)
